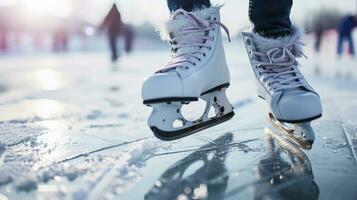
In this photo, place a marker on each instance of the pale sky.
(234, 13)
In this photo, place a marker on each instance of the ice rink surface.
(72, 126)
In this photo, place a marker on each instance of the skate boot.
(196, 70)
(293, 102)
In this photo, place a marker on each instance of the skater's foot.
(196, 70)
(280, 82)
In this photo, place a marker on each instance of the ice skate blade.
(174, 135)
(168, 123)
(288, 133)
(307, 144)
(287, 145)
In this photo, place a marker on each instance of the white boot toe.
(162, 85)
(297, 106)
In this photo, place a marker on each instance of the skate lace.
(278, 66)
(187, 44)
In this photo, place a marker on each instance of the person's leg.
(113, 48)
(273, 49)
(187, 5)
(271, 18)
(318, 39)
(340, 44)
(351, 45)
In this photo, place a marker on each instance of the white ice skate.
(196, 70)
(293, 102)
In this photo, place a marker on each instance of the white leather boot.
(279, 80)
(197, 69)
(281, 84)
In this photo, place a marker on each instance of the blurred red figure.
(115, 27)
(60, 41)
(3, 41)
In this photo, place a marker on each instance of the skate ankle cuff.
(265, 43)
(175, 25)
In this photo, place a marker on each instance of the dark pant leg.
(351, 45)
(187, 5)
(340, 44)
(113, 47)
(271, 18)
(318, 40)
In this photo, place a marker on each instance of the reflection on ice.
(186, 180)
(285, 172)
(55, 134)
(33, 109)
(49, 79)
(55, 130)
(46, 108)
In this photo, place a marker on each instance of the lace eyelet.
(187, 68)
(210, 48)
(194, 64)
(204, 54)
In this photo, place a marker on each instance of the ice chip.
(201, 192)
(182, 197)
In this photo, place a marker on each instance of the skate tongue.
(188, 23)
(277, 57)
(188, 36)
(181, 18)
(187, 18)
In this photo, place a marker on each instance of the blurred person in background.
(3, 41)
(115, 28)
(321, 23)
(60, 40)
(345, 29)
(3, 37)
(112, 24)
(318, 39)
(127, 32)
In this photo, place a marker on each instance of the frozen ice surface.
(13, 133)
(73, 127)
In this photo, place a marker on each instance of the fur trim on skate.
(264, 43)
(174, 25)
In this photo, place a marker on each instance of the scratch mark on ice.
(350, 143)
(206, 149)
(94, 151)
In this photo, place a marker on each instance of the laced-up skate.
(293, 102)
(196, 70)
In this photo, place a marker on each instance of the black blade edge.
(173, 135)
